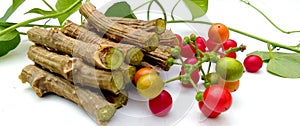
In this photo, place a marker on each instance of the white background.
(262, 99)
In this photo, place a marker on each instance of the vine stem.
(173, 79)
(148, 10)
(8, 24)
(45, 2)
(142, 5)
(291, 48)
(173, 9)
(162, 8)
(270, 51)
(265, 16)
(15, 26)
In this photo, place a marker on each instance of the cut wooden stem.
(133, 55)
(159, 57)
(104, 56)
(168, 38)
(119, 100)
(128, 73)
(119, 32)
(157, 25)
(74, 70)
(44, 82)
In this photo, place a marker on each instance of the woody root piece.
(133, 55)
(44, 82)
(74, 70)
(119, 32)
(159, 57)
(157, 25)
(104, 56)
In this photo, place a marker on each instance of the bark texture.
(44, 82)
(119, 32)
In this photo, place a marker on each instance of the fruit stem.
(194, 85)
(265, 16)
(235, 49)
(270, 51)
(291, 48)
(208, 70)
(173, 79)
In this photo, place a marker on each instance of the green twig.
(148, 10)
(173, 79)
(265, 16)
(173, 9)
(291, 48)
(22, 33)
(194, 85)
(270, 51)
(13, 27)
(45, 2)
(8, 24)
(142, 5)
(162, 8)
(208, 70)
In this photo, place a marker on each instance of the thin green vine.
(15, 26)
(265, 16)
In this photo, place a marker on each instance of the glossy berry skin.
(211, 45)
(195, 75)
(231, 55)
(217, 98)
(161, 105)
(253, 63)
(207, 111)
(179, 38)
(142, 72)
(229, 44)
(200, 43)
(218, 33)
(186, 51)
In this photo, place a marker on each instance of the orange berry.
(230, 86)
(218, 33)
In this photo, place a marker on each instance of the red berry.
(232, 55)
(211, 45)
(217, 98)
(229, 44)
(253, 63)
(161, 105)
(200, 43)
(179, 39)
(186, 51)
(206, 111)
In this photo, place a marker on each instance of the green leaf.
(61, 5)
(9, 41)
(286, 66)
(198, 8)
(8, 36)
(11, 9)
(40, 11)
(120, 9)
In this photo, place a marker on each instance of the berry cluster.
(193, 51)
